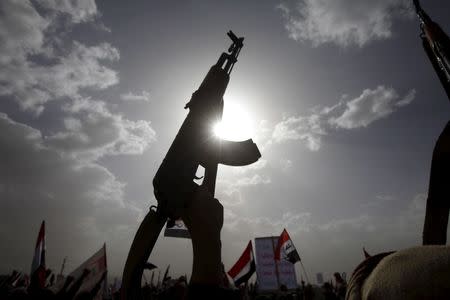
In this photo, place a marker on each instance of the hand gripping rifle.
(437, 46)
(194, 145)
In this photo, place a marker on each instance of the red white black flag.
(96, 264)
(37, 273)
(286, 249)
(244, 268)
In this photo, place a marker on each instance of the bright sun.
(236, 124)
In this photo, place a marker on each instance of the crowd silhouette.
(19, 286)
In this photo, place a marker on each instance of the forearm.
(207, 261)
(204, 219)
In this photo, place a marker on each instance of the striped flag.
(37, 273)
(96, 264)
(285, 249)
(244, 268)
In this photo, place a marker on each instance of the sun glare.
(236, 123)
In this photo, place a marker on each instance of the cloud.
(22, 30)
(37, 65)
(52, 170)
(308, 129)
(286, 164)
(92, 131)
(259, 165)
(343, 237)
(78, 11)
(379, 202)
(385, 197)
(37, 182)
(262, 226)
(254, 180)
(80, 69)
(370, 106)
(344, 22)
(145, 96)
(230, 192)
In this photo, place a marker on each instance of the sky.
(338, 95)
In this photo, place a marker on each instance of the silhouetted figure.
(179, 196)
(438, 202)
(308, 292)
(340, 285)
(328, 292)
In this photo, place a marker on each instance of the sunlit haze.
(236, 124)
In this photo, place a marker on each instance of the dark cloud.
(57, 176)
(84, 200)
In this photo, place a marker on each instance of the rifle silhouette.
(436, 44)
(194, 145)
(437, 47)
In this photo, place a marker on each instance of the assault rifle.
(437, 46)
(195, 145)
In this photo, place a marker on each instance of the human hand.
(204, 219)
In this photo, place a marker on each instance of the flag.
(149, 266)
(244, 268)
(96, 264)
(176, 228)
(37, 273)
(285, 249)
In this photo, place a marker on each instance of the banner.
(266, 267)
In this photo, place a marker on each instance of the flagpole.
(276, 264)
(304, 272)
(63, 265)
(159, 278)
